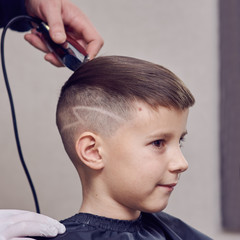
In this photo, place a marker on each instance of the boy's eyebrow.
(167, 135)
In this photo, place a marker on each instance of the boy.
(122, 121)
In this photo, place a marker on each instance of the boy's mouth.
(169, 187)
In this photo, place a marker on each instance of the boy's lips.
(169, 186)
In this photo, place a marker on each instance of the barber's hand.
(17, 224)
(60, 14)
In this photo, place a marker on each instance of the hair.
(100, 96)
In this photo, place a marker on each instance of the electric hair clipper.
(70, 53)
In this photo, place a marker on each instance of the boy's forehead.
(146, 112)
(145, 118)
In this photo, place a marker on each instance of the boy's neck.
(107, 208)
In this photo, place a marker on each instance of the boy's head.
(115, 97)
(100, 96)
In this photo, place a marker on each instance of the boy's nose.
(178, 163)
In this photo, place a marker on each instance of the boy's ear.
(88, 150)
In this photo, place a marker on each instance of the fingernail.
(59, 37)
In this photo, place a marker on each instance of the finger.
(94, 47)
(54, 20)
(50, 57)
(80, 27)
(92, 40)
(36, 42)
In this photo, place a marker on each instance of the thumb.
(54, 20)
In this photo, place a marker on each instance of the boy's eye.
(158, 143)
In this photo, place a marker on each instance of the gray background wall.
(181, 35)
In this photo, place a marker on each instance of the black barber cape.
(157, 226)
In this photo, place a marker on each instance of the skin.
(137, 167)
(61, 16)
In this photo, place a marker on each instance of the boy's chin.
(157, 208)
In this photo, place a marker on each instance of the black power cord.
(14, 120)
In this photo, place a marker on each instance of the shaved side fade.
(100, 96)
